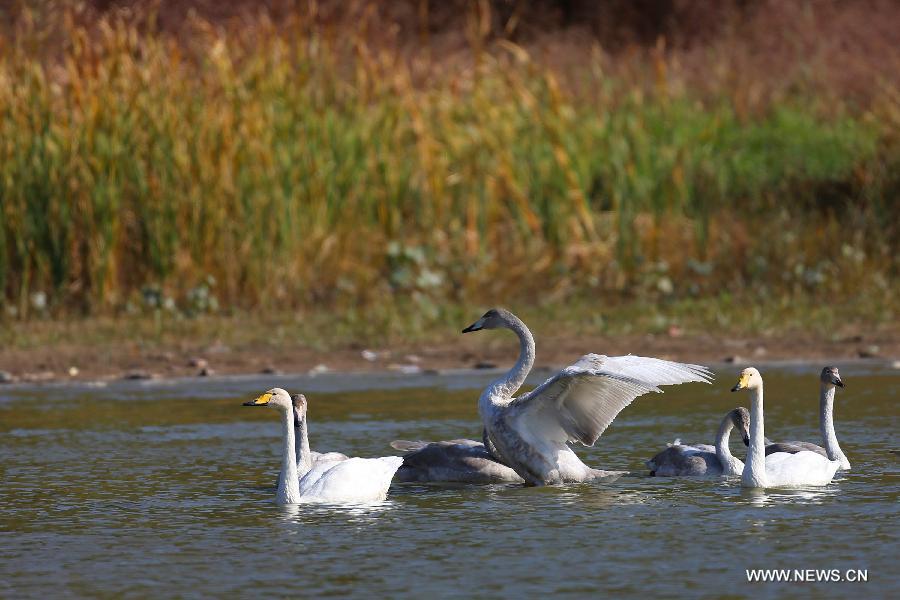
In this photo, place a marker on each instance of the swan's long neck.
(304, 457)
(754, 474)
(289, 482)
(507, 385)
(723, 452)
(826, 424)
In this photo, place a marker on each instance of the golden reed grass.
(296, 169)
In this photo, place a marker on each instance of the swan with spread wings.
(531, 433)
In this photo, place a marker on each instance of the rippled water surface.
(161, 489)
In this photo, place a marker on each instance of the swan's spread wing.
(651, 370)
(583, 399)
(581, 402)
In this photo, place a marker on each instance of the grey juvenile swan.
(829, 380)
(703, 460)
(531, 432)
(465, 461)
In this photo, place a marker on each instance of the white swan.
(829, 379)
(530, 433)
(780, 469)
(302, 435)
(465, 461)
(351, 480)
(306, 458)
(699, 460)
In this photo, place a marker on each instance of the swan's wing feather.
(655, 371)
(329, 457)
(683, 461)
(413, 446)
(803, 468)
(582, 401)
(352, 480)
(585, 397)
(451, 460)
(794, 447)
(445, 454)
(704, 448)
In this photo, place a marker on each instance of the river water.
(160, 489)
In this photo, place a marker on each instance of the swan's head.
(492, 319)
(299, 401)
(740, 416)
(750, 380)
(276, 397)
(830, 377)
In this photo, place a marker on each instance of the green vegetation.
(794, 328)
(277, 168)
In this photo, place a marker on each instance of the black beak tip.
(736, 388)
(747, 442)
(249, 403)
(839, 383)
(470, 329)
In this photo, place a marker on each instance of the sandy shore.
(128, 360)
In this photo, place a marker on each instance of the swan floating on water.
(829, 380)
(350, 480)
(306, 458)
(465, 461)
(531, 432)
(699, 460)
(300, 429)
(779, 469)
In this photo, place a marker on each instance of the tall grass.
(279, 167)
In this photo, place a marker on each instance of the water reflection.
(359, 514)
(780, 496)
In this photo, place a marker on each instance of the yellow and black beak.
(742, 383)
(260, 401)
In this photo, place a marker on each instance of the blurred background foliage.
(202, 157)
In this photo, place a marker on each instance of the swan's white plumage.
(779, 469)
(351, 480)
(530, 433)
(643, 368)
(588, 395)
(800, 469)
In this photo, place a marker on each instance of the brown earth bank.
(130, 360)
